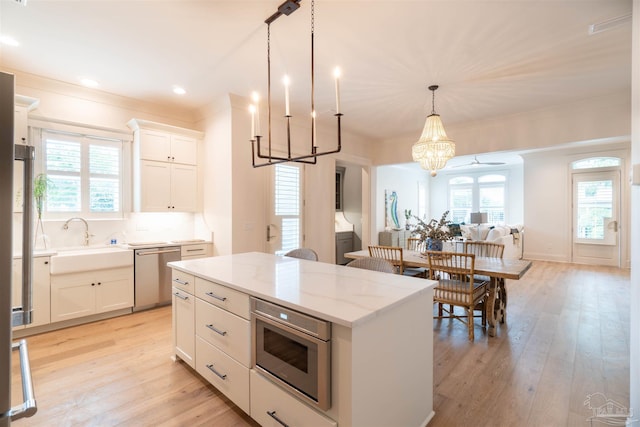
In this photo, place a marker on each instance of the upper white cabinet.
(23, 104)
(165, 170)
(168, 147)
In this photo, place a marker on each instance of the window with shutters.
(287, 206)
(478, 193)
(84, 174)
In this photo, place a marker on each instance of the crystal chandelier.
(286, 8)
(434, 148)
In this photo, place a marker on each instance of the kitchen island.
(381, 336)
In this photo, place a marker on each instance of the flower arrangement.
(434, 230)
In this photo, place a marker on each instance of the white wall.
(404, 181)
(548, 198)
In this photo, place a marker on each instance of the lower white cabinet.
(224, 373)
(83, 294)
(41, 290)
(269, 403)
(198, 250)
(183, 309)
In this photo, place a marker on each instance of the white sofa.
(511, 236)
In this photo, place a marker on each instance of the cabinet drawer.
(232, 378)
(183, 281)
(267, 397)
(224, 330)
(192, 251)
(223, 297)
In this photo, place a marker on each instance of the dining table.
(497, 269)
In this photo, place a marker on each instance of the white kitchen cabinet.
(165, 171)
(194, 251)
(83, 294)
(268, 402)
(167, 187)
(183, 311)
(41, 290)
(168, 147)
(23, 104)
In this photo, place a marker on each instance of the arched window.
(477, 193)
(595, 162)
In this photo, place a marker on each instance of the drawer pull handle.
(216, 330)
(181, 282)
(180, 296)
(195, 250)
(272, 414)
(212, 295)
(212, 369)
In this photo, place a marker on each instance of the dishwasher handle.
(168, 251)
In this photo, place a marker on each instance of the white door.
(596, 210)
(284, 231)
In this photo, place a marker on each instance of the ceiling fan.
(476, 162)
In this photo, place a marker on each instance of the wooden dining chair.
(303, 253)
(456, 286)
(375, 264)
(483, 248)
(416, 244)
(393, 254)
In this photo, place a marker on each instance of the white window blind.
(477, 193)
(85, 174)
(287, 206)
(595, 202)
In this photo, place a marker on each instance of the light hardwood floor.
(566, 337)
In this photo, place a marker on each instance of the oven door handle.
(297, 331)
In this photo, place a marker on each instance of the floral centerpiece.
(433, 232)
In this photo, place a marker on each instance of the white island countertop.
(344, 295)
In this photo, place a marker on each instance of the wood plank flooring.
(566, 337)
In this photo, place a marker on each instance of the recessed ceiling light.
(179, 90)
(89, 82)
(9, 41)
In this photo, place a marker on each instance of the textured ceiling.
(490, 58)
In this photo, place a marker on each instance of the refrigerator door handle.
(29, 406)
(23, 315)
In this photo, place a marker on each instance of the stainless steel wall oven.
(294, 350)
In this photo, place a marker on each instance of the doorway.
(596, 217)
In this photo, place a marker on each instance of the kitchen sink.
(90, 258)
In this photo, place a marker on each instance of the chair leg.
(470, 322)
(440, 309)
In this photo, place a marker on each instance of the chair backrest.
(303, 253)
(393, 254)
(415, 244)
(484, 249)
(375, 264)
(453, 270)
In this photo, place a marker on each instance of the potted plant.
(434, 232)
(40, 186)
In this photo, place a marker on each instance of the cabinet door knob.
(93, 284)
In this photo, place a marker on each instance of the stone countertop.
(344, 295)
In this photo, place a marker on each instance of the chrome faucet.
(87, 235)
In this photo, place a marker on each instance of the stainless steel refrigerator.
(14, 316)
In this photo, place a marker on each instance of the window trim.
(38, 126)
(475, 189)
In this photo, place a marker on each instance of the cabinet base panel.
(68, 323)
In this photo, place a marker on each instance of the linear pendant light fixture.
(287, 8)
(434, 148)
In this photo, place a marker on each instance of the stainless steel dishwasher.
(153, 277)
